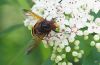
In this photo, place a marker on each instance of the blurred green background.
(15, 37)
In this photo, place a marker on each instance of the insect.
(41, 29)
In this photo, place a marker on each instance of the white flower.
(59, 63)
(74, 53)
(79, 33)
(96, 37)
(92, 43)
(45, 43)
(86, 37)
(74, 20)
(77, 42)
(68, 49)
(90, 18)
(93, 28)
(61, 46)
(76, 47)
(64, 63)
(82, 51)
(58, 58)
(98, 46)
(79, 55)
(76, 60)
(63, 55)
(59, 49)
(69, 63)
(97, 21)
(53, 56)
(71, 39)
(86, 32)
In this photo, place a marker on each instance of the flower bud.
(96, 37)
(69, 63)
(77, 42)
(86, 37)
(98, 46)
(68, 49)
(86, 33)
(76, 60)
(58, 58)
(92, 43)
(74, 53)
(64, 63)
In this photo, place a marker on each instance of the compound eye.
(45, 26)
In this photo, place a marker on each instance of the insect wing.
(34, 45)
(32, 14)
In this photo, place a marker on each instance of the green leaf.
(14, 27)
(46, 52)
(48, 62)
(24, 4)
(93, 58)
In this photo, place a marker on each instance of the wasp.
(41, 29)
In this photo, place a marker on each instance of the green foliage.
(24, 4)
(14, 39)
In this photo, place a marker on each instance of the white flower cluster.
(74, 19)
